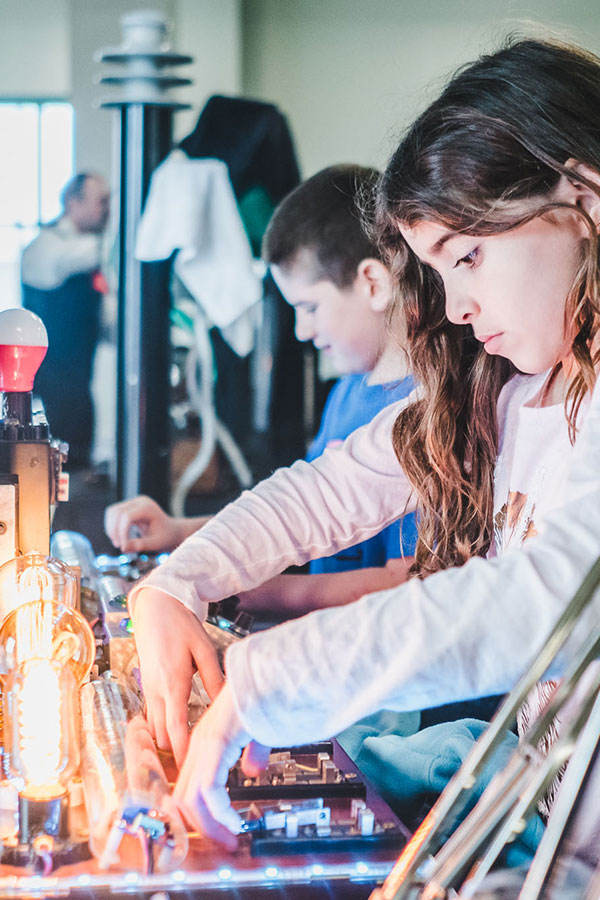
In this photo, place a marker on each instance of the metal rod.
(501, 794)
(144, 120)
(144, 304)
(570, 791)
(536, 784)
(133, 134)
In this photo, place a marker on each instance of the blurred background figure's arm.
(296, 595)
(140, 525)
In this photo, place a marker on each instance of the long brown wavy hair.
(483, 159)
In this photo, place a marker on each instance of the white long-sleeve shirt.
(460, 633)
(58, 252)
(191, 210)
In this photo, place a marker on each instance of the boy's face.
(339, 321)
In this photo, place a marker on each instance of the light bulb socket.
(16, 407)
(43, 817)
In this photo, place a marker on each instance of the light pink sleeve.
(461, 633)
(300, 513)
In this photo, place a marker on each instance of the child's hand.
(170, 640)
(216, 744)
(139, 525)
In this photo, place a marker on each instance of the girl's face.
(511, 288)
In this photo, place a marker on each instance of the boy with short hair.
(329, 271)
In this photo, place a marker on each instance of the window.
(36, 160)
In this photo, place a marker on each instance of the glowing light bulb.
(40, 728)
(48, 652)
(23, 346)
(44, 630)
(33, 576)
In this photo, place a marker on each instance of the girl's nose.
(461, 307)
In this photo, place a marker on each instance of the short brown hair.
(323, 216)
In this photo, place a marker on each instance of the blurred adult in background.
(62, 283)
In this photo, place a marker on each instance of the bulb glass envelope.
(23, 346)
(34, 576)
(45, 630)
(48, 651)
(40, 727)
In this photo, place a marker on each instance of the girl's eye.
(468, 260)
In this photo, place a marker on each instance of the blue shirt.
(353, 402)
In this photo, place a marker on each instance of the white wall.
(350, 74)
(209, 31)
(47, 50)
(35, 49)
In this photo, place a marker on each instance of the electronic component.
(299, 772)
(312, 827)
(312, 800)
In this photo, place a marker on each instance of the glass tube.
(133, 820)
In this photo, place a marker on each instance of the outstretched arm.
(296, 595)
(461, 633)
(299, 513)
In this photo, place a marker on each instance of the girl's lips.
(490, 344)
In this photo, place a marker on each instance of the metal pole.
(144, 120)
(143, 322)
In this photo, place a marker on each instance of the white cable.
(200, 388)
(236, 459)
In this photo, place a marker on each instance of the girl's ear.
(375, 279)
(585, 194)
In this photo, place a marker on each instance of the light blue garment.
(410, 768)
(353, 402)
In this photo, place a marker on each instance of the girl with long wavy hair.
(488, 214)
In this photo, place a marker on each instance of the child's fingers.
(255, 758)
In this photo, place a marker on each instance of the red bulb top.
(23, 346)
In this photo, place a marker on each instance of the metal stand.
(200, 387)
(144, 116)
(143, 319)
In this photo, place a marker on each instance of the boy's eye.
(468, 260)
